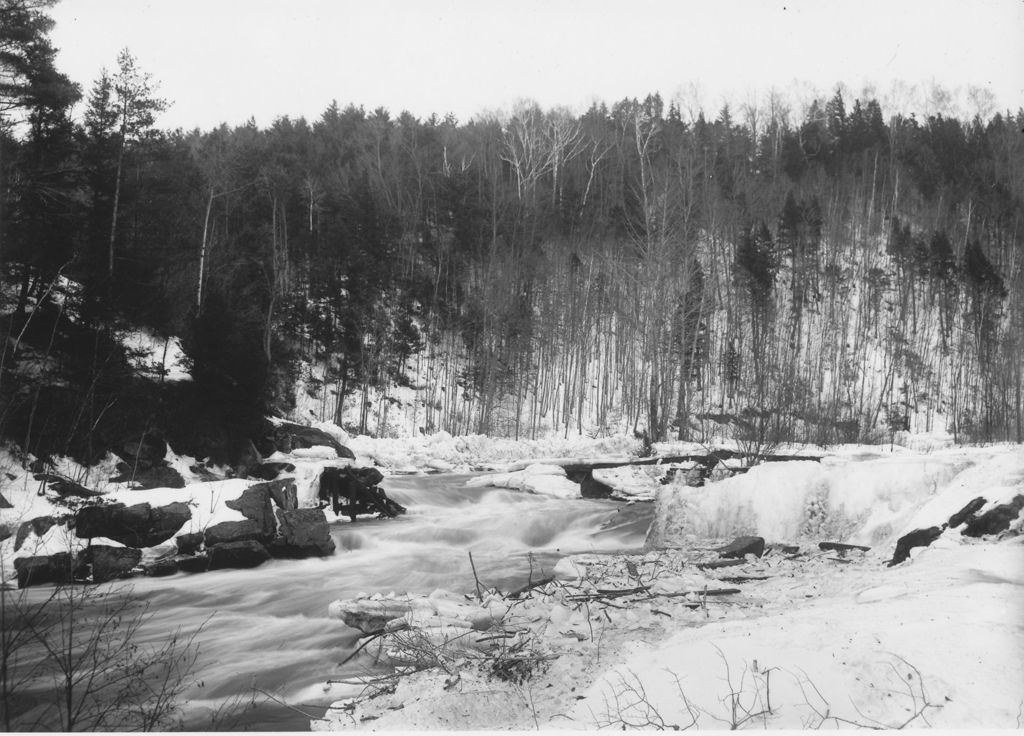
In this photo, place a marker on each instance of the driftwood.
(715, 564)
(530, 586)
(643, 589)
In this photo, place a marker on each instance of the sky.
(228, 60)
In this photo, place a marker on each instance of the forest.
(828, 272)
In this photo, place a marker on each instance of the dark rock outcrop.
(160, 476)
(284, 494)
(110, 563)
(270, 470)
(742, 546)
(193, 563)
(38, 526)
(348, 495)
(228, 532)
(254, 504)
(160, 568)
(189, 544)
(303, 533)
(241, 554)
(288, 436)
(995, 520)
(916, 538)
(43, 569)
(967, 513)
(4, 503)
(841, 547)
(133, 526)
(5, 532)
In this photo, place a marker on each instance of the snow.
(547, 480)
(159, 356)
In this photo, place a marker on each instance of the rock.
(166, 521)
(269, 471)
(298, 436)
(741, 546)
(44, 569)
(995, 520)
(133, 526)
(5, 532)
(303, 533)
(193, 563)
(95, 521)
(38, 526)
(160, 568)
(189, 544)
(916, 538)
(109, 563)
(241, 554)
(145, 452)
(967, 512)
(338, 484)
(591, 488)
(4, 503)
(229, 532)
(161, 476)
(284, 494)
(367, 476)
(254, 504)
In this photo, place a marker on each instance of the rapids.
(268, 627)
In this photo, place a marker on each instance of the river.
(268, 627)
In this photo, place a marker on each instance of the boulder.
(228, 532)
(995, 520)
(5, 532)
(366, 476)
(741, 547)
(968, 512)
(284, 494)
(4, 503)
(242, 554)
(161, 476)
(95, 521)
(189, 544)
(303, 533)
(254, 504)
(193, 563)
(38, 526)
(916, 538)
(133, 526)
(43, 569)
(269, 471)
(160, 568)
(591, 488)
(109, 563)
(288, 436)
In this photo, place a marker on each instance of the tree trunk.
(117, 201)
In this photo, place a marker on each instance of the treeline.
(819, 276)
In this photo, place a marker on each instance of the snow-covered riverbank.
(814, 637)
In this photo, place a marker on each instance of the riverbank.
(810, 638)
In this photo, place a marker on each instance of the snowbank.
(547, 480)
(935, 643)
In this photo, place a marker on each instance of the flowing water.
(268, 627)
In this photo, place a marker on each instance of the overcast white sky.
(226, 60)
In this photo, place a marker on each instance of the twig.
(529, 586)
(479, 594)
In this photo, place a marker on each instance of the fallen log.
(715, 564)
(530, 586)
